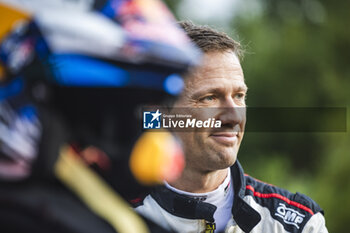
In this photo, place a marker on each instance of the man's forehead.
(216, 65)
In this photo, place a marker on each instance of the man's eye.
(208, 98)
(240, 96)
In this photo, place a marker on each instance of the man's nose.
(231, 113)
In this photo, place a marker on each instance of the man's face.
(218, 83)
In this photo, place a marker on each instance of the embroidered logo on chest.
(289, 216)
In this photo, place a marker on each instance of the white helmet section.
(70, 26)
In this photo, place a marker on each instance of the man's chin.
(227, 159)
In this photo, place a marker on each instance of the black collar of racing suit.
(186, 207)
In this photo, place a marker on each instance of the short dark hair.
(209, 39)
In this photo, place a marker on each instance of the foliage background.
(297, 55)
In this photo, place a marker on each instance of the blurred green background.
(297, 55)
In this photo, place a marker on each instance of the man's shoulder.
(290, 209)
(262, 191)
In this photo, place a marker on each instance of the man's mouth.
(226, 138)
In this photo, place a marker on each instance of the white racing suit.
(257, 207)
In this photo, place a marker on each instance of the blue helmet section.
(82, 71)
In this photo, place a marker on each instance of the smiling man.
(213, 194)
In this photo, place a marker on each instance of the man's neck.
(200, 182)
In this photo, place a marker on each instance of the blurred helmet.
(77, 72)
